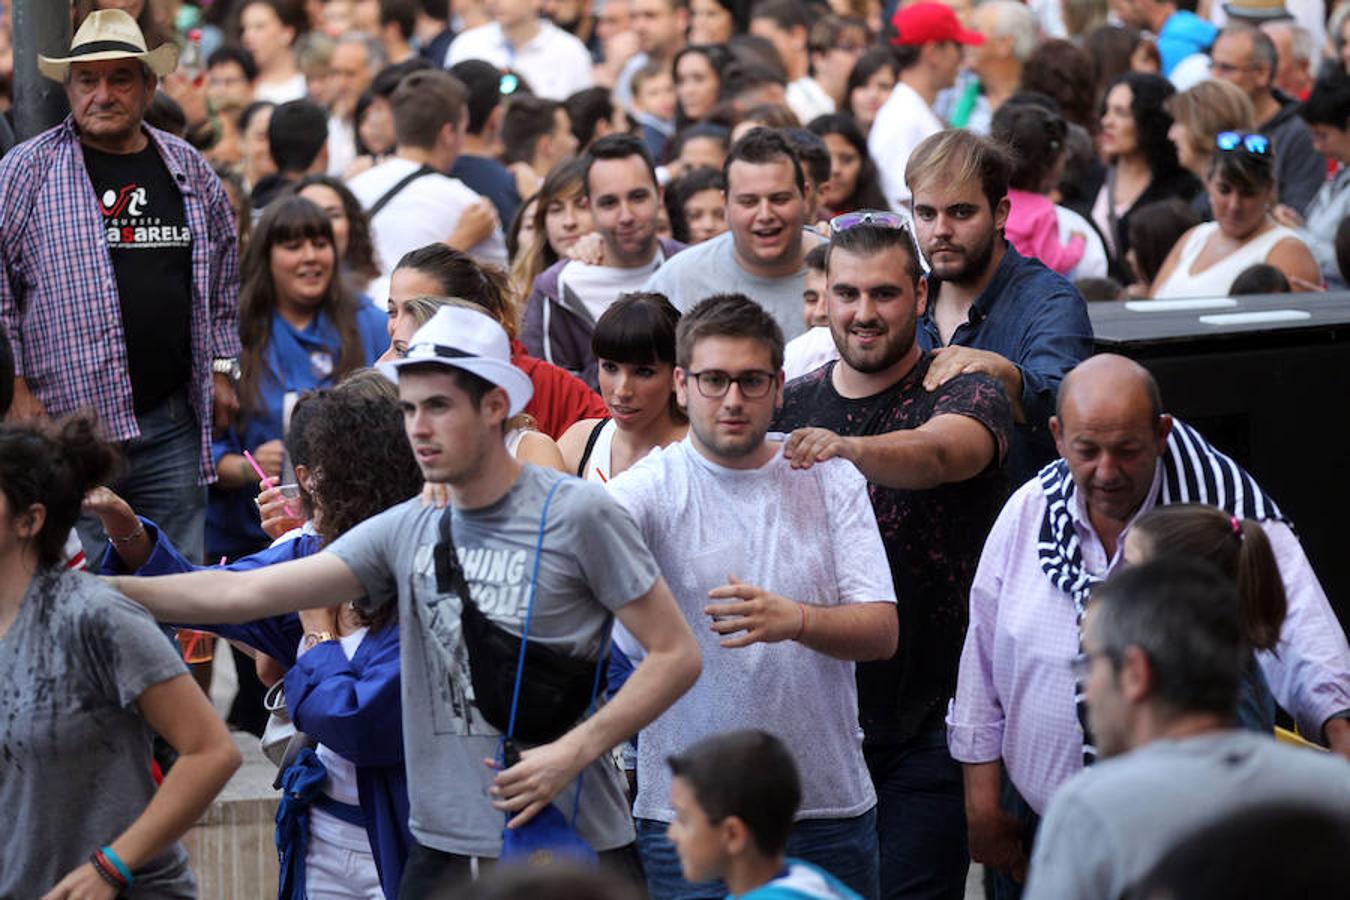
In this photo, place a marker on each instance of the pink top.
(1015, 694)
(1033, 229)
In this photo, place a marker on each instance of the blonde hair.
(1207, 109)
(957, 156)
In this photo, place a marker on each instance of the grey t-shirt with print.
(74, 750)
(594, 562)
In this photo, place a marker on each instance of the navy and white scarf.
(1193, 472)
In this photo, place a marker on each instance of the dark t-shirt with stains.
(74, 751)
(933, 538)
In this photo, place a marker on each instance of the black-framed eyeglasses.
(1255, 144)
(1081, 664)
(714, 383)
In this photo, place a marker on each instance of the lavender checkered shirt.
(58, 294)
(1015, 694)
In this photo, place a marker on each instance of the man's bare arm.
(945, 449)
(215, 596)
(853, 631)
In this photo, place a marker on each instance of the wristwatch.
(313, 638)
(227, 366)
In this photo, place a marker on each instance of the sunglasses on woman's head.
(1256, 144)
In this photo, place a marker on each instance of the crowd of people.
(665, 435)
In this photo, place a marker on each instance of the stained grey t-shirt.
(74, 750)
(594, 562)
(709, 268)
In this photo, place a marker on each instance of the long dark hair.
(287, 218)
(360, 256)
(1238, 548)
(1151, 119)
(867, 193)
(55, 464)
(868, 65)
(718, 57)
(460, 275)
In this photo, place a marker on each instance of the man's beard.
(975, 262)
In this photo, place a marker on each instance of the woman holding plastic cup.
(301, 329)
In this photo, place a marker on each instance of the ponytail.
(1260, 587)
(54, 464)
(1238, 548)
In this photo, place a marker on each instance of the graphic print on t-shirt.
(499, 582)
(129, 226)
(149, 241)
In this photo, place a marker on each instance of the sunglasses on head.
(1256, 144)
(878, 217)
(508, 84)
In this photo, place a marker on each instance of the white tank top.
(597, 463)
(1218, 278)
(512, 439)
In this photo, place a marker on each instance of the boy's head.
(654, 91)
(734, 796)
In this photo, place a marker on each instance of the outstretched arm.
(944, 449)
(218, 596)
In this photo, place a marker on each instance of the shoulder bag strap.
(393, 191)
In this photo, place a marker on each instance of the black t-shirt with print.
(933, 538)
(146, 228)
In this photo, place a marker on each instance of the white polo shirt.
(554, 63)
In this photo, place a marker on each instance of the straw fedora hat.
(1257, 10)
(110, 34)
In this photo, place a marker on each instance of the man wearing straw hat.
(119, 277)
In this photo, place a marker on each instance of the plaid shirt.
(58, 294)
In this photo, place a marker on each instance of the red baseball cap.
(930, 23)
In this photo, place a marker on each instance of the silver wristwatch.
(228, 366)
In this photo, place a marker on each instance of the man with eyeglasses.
(990, 309)
(932, 460)
(1016, 709)
(781, 574)
(1247, 57)
(1162, 659)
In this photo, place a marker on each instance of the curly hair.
(360, 458)
(1063, 70)
(1148, 106)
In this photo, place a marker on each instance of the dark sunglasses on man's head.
(1255, 144)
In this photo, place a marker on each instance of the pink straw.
(265, 477)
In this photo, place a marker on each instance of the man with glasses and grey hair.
(1163, 654)
(781, 574)
(1247, 57)
(933, 462)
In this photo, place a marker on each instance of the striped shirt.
(58, 294)
(1015, 694)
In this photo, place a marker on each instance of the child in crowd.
(654, 106)
(1037, 138)
(734, 796)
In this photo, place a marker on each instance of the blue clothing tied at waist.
(302, 787)
(352, 706)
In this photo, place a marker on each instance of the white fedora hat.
(110, 34)
(469, 340)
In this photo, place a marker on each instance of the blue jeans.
(160, 483)
(846, 848)
(921, 818)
